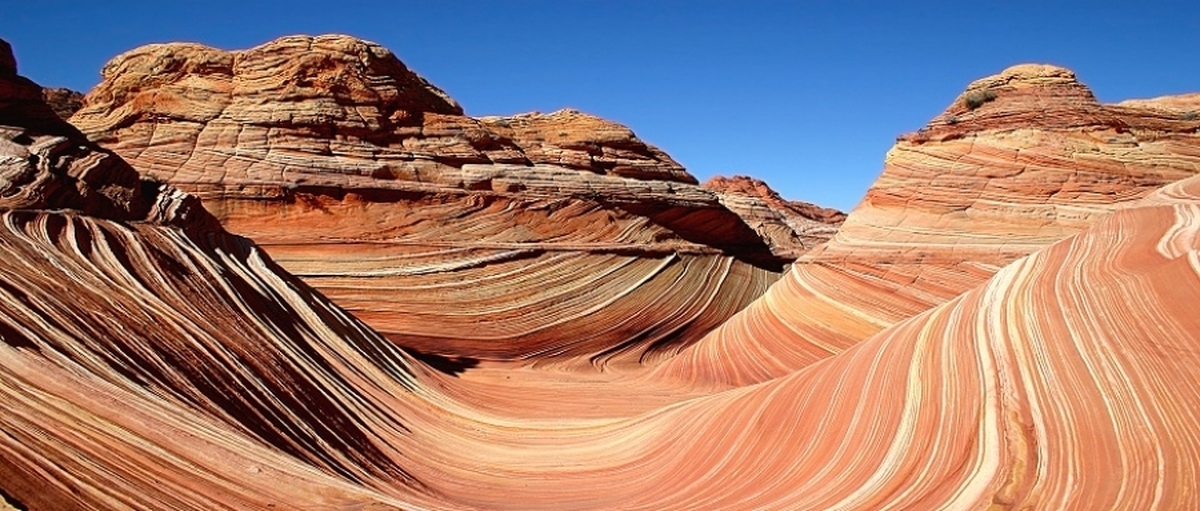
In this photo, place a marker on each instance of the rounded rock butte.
(956, 202)
(151, 364)
(554, 238)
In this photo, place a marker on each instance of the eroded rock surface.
(64, 102)
(438, 229)
(169, 365)
(791, 228)
(1020, 160)
(327, 110)
(140, 364)
(962, 406)
(47, 164)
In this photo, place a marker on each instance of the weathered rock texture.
(141, 364)
(486, 238)
(791, 228)
(969, 193)
(145, 366)
(962, 407)
(328, 110)
(46, 163)
(64, 102)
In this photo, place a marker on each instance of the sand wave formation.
(150, 359)
(481, 238)
(1020, 160)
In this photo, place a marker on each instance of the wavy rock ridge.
(148, 364)
(959, 199)
(140, 356)
(480, 238)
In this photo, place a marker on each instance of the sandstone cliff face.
(1020, 160)
(437, 228)
(791, 227)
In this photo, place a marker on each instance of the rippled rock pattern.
(983, 184)
(148, 358)
(151, 360)
(486, 238)
(966, 406)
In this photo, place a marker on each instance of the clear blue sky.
(806, 95)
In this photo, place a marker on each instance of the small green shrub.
(1191, 116)
(978, 98)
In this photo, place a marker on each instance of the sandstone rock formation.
(170, 365)
(964, 406)
(983, 184)
(329, 110)
(791, 228)
(64, 102)
(45, 163)
(482, 238)
(140, 356)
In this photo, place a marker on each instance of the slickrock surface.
(485, 238)
(960, 407)
(145, 368)
(957, 200)
(143, 350)
(963, 407)
(791, 228)
(154, 361)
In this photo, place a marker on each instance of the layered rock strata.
(64, 102)
(791, 228)
(148, 358)
(1020, 160)
(958, 407)
(154, 361)
(495, 238)
(154, 366)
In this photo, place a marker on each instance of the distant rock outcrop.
(64, 102)
(791, 228)
(363, 178)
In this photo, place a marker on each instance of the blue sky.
(805, 95)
